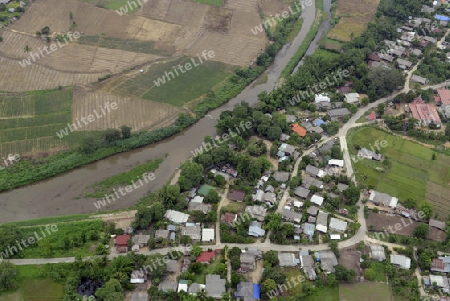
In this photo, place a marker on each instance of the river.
(63, 194)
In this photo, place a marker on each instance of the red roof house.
(122, 242)
(425, 113)
(443, 97)
(236, 195)
(298, 129)
(206, 257)
(228, 218)
(371, 116)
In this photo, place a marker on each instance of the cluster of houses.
(439, 265)
(335, 109)
(325, 259)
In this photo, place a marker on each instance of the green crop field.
(325, 294)
(131, 45)
(179, 90)
(356, 292)
(29, 122)
(413, 174)
(210, 2)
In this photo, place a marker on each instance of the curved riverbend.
(63, 194)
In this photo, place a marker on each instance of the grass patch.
(36, 290)
(210, 2)
(412, 167)
(204, 189)
(306, 42)
(380, 271)
(234, 207)
(208, 270)
(261, 80)
(326, 54)
(325, 294)
(126, 178)
(294, 32)
(70, 239)
(330, 44)
(356, 292)
(50, 220)
(293, 273)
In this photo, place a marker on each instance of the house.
(328, 261)
(352, 97)
(138, 276)
(441, 281)
(281, 176)
(335, 236)
(301, 131)
(312, 210)
(236, 195)
(206, 256)
(168, 285)
(437, 224)
(248, 291)
(307, 264)
(176, 217)
(291, 216)
(290, 118)
(269, 188)
(172, 228)
(194, 288)
(323, 106)
(425, 113)
(427, 9)
(404, 64)
(5, 1)
(311, 219)
(342, 187)
(441, 264)
(314, 171)
(207, 235)
(287, 149)
(248, 259)
(172, 266)
(338, 113)
(193, 231)
(164, 234)
(284, 137)
(386, 57)
(321, 98)
(205, 208)
(308, 229)
(141, 240)
(228, 218)
(368, 154)
(372, 116)
(197, 199)
(378, 252)
(335, 162)
(309, 181)
(258, 196)
(318, 200)
(215, 286)
(182, 286)
(316, 129)
(429, 39)
(270, 198)
(401, 261)
(257, 212)
(322, 222)
(318, 122)
(416, 52)
(122, 243)
(443, 97)
(297, 204)
(301, 192)
(338, 225)
(383, 199)
(286, 259)
(255, 229)
(347, 88)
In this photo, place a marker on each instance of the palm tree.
(27, 48)
(121, 267)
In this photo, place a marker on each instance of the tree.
(27, 48)
(421, 231)
(87, 145)
(271, 257)
(273, 133)
(196, 250)
(156, 264)
(101, 249)
(121, 267)
(427, 209)
(334, 247)
(370, 274)
(112, 135)
(268, 285)
(190, 176)
(185, 240)
(45, 30)
(235, 262)
(8, 276)
(380, 109)
(111, 291)
(126, 131)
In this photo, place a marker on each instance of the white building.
(208, 235)
(321, 98)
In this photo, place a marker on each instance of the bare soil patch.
(382, 221)
(350, 259)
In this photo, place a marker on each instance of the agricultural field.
(359, 291)
(179, 90)
(138, 114)
(413, 174)
(29, 122)
(353, 18)
(36, 290)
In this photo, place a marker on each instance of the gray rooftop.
(301, 192)
(338, 225)
(215, 286)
